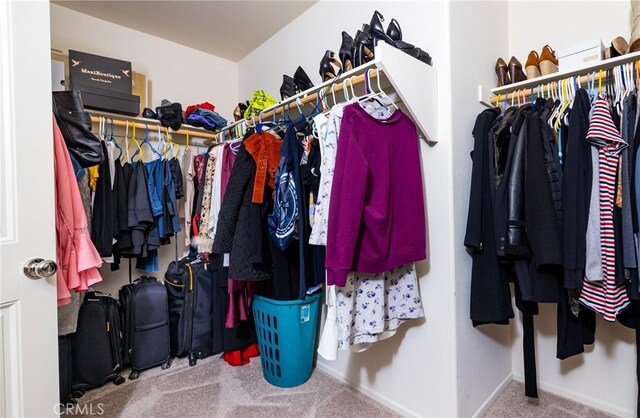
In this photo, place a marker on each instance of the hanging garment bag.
(146, 322)
(97, 347)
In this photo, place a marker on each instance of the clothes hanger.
(112, 138)
(126, 143)
(145, 141)
(135, 141)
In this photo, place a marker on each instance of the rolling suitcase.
(179, 283)
(202, 332)
(97, 345)
(190, 289)
(146, 321)
(65, 361)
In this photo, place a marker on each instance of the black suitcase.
(97, 344)
(190, 288)
(65, 361)
(202, 333)
(145, 311)
(179, 283)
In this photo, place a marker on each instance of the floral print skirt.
(371, 307)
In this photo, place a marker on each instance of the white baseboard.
(494, 395)
(577, 397)
(405, 412)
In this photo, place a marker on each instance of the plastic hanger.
(126, 142)
(135, 141)
(145, 141)
(112, 138)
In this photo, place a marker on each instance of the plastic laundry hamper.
(287, 338)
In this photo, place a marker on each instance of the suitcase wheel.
(193, 361)
(134, 375)
(78, 393)
(119, 380)
(166, 365)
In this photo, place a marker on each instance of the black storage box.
(99, 72)
(109, 101)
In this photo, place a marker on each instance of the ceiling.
(228, 29)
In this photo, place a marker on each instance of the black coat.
(241, 224)
(490, 294)
(576, 186)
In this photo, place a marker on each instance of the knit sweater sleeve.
(346, 206)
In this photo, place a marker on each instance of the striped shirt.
(606, 297)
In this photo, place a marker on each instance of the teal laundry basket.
(287, 338)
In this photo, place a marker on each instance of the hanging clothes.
(377, 171)
(606, 296)
(372, 306)
(328, 149)
(76, 256)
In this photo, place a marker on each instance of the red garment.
(192, 108)
(241, 295)
(243, 356)
(76, 255)
(265, 150)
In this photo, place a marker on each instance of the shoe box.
(105, 83)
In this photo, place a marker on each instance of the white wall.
(415, 371)
(178, 73)
(484, 353)
(604, 377)
(562, 24)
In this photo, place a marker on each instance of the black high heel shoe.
(378, 32)
(346, 49)
(288, 87)
(363, 45)
(328, 66)
(393, 30)
(302, 80)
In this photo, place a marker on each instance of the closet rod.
(292, 102)
(543, 89)
(119, 121)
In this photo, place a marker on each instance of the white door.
(28, 322)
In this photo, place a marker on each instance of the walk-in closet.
(319, 208)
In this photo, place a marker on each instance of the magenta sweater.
(376, 213)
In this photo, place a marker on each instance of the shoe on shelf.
(502, 73)
(619, 46)
(330, 67)
(393, 30)
(634, 46)
(302, 80)
(393, 36)
(288, 88)
(362, 46)
(346, 49)
(548, 61)
(515, 71)
(532, 66)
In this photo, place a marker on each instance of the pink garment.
(241, 295)
(76, 255)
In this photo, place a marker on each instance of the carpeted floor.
(214, 389)
(512, 403)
